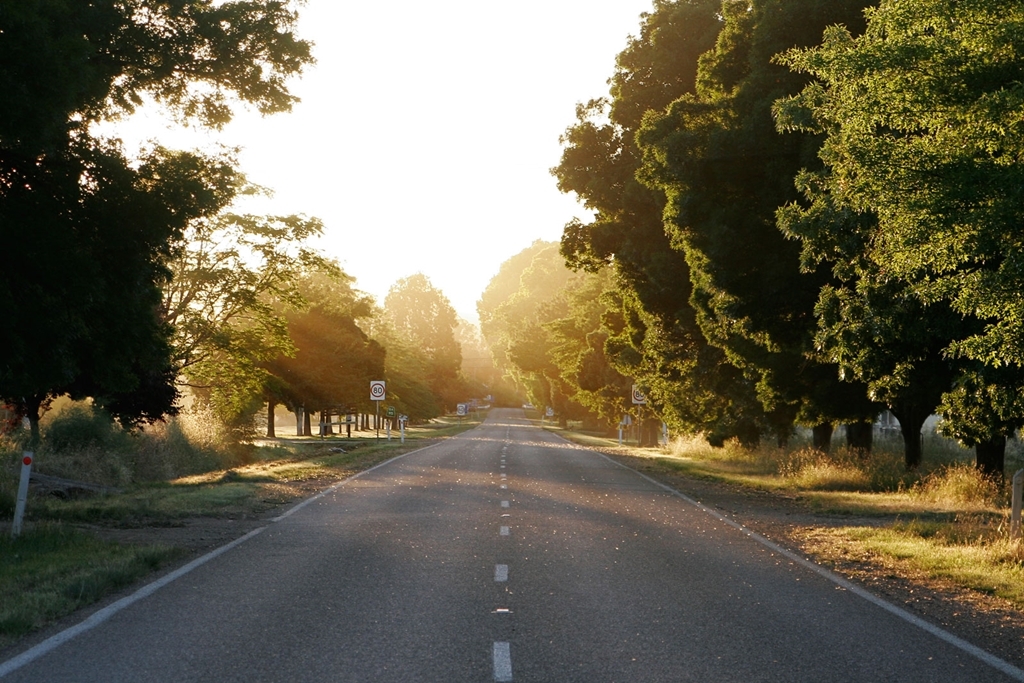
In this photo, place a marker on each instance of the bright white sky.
(426, 131)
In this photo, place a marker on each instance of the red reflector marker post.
(19, 509)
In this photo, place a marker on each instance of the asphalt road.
(505, 554)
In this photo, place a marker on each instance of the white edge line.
(99, 616)
(990, 659)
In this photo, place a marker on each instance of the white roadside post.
(639, 399)
(19, 508)
(401, 425)
(1018, 493)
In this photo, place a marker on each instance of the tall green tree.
(332, 359)
(922, 118)
(86, 231)
(527, 293)
(233, 277)
(654, 337)
(725, 170)
(421, 314)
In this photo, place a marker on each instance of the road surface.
(505, 554)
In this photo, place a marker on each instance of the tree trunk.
(299, 421)
(325, 417)
(990, 457)
(860, 435)
(911, 421)
(270, 419)
(307, 426)
(649, 429)
(821, 437)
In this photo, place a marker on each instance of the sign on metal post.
(377, 392)
(639, 398)
(390, 412)
(461, 410)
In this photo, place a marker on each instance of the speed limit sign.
(638, 396)
(377, 392)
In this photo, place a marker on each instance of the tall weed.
(959, 485)
(81, 442)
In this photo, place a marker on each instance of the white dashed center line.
(501, 572)
(504, 531)
(504, 503)
(502, 663)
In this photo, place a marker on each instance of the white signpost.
(19, 507)
(378, 393)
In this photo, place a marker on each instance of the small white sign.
(550, 412)
(638, 396)
(460, 409)
(377, 392)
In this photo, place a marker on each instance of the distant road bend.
(505, 554)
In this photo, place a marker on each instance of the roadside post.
(402, 419)
(639, 399)
(461, 410)
(377, 394)
(1018, 493)
(390, 415)
(19, 508)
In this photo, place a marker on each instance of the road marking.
(504, 503)
(504, 531)
(502, 662)
(504, 486)
(990, 659)
(501, 572)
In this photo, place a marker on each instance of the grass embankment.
(944, 523)
(57, 565)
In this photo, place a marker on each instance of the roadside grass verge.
(280, 471)
(53, 569)
(945, 522)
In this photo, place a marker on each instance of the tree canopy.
(87, 231)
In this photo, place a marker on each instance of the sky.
(426, 131)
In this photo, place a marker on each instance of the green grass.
(974, 554)
(52, 569)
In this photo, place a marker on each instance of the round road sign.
(377, 392)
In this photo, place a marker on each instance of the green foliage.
(67, 64)
(918, 197)
(233, 277)
(334, 360)
(80, 427)
(86, 231)
(51, 570)
(524, 328)
(422, 320)
(724, 171)
(652, 333)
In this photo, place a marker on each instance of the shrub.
(959, 484)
